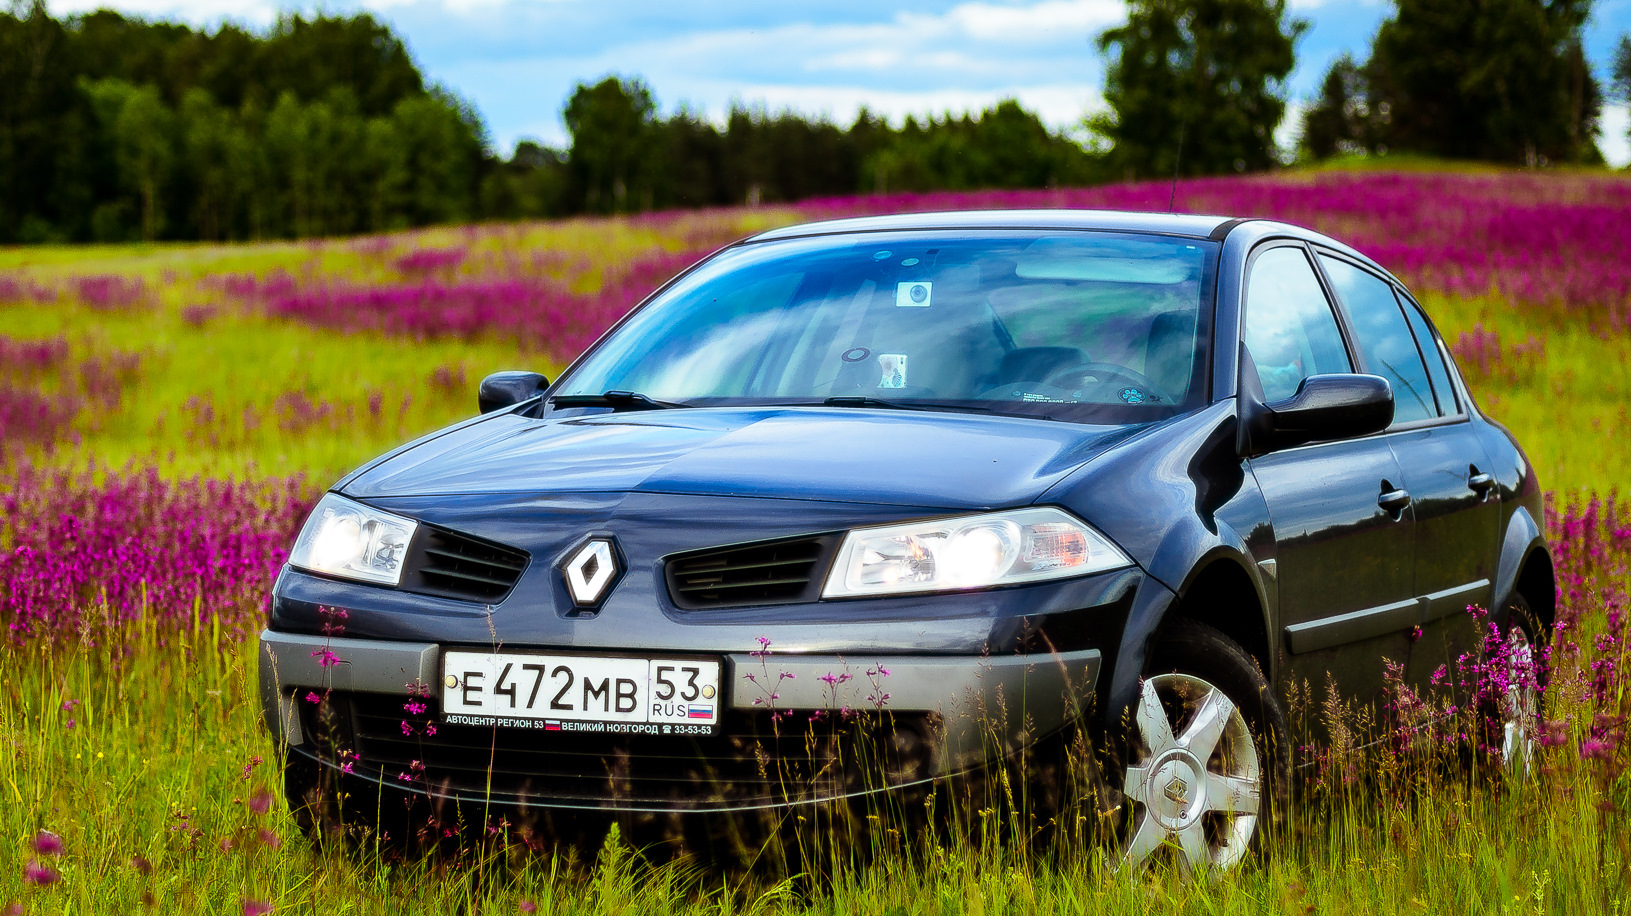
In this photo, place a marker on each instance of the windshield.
(1076, 325)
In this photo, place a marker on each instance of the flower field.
(169, 413)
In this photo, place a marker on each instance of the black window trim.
(1460, 415)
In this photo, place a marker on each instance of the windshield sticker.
(894, 370)
(855, 354)
(913, 294)
(1132, 395)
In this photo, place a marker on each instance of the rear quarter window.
(1434, 354)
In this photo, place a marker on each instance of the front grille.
(743, 575)
(449, 564)
(756, 760)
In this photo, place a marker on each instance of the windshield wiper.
(616, 400)
(864, 401)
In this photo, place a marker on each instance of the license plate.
(580, 693)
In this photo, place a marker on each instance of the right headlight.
(348, 539)
(969, 552)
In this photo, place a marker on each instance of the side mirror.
(1334, 406)
(507, 389)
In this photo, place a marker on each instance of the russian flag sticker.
(699, 712)
(552, 726)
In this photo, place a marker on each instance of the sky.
(518, 60)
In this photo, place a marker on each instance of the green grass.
(162, 736)
(160, 756)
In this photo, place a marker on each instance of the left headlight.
(351, 540)
(974, 551)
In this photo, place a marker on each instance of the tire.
(1207, 776)
(1514, 704)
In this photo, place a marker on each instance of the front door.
(1342, 531)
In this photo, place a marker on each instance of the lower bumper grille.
(756, 761)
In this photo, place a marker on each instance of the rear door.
(1445, 467)
(1343, 559)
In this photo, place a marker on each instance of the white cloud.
(1028, 23)
(1615, 142)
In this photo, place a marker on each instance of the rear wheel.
(1519, 679)
(1208, 764)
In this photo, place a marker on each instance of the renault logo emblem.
(1178, 791)
(590, 571)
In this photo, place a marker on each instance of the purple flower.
(1597, 749)
(527, 906)
(40, 875)
(47, 843)
(260, 802)
(256, 908)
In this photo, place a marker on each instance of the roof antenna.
(1173, 198)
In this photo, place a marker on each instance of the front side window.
(1289, 327)
(1075, 325)
(1388, 347)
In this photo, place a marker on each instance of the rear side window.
(1388, 347)
(1447, 405)
(1290, 330)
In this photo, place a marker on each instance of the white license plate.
(580, 693)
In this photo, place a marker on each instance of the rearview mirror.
(1334, 406)
(507, 389)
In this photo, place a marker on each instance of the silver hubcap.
(1520, 704)
(1196, 782)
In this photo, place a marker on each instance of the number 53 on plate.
(581, 688)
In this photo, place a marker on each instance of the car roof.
(1184, 224)
(1189, 225)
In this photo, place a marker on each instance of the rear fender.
(1522, 541)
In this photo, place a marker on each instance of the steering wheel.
(1136, 388)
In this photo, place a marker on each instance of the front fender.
(1178, 498)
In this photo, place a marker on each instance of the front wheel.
(1208, 757)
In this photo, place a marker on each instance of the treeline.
(624, 156)
(114, 129)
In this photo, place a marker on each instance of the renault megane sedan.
(977, 479)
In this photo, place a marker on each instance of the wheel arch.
(1222, 594)
(1241, 615)
(1525, 568)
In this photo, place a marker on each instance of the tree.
(1340, 121)
(1501, 80)
(611, 124)
(1210, 71)
(1621, 74)
(142, 128)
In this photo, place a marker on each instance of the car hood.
(909, 458)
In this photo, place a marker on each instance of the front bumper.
(977, 707)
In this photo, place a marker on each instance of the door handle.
(1394, 500)
(1478, 481)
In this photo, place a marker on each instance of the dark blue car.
(988, 478)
